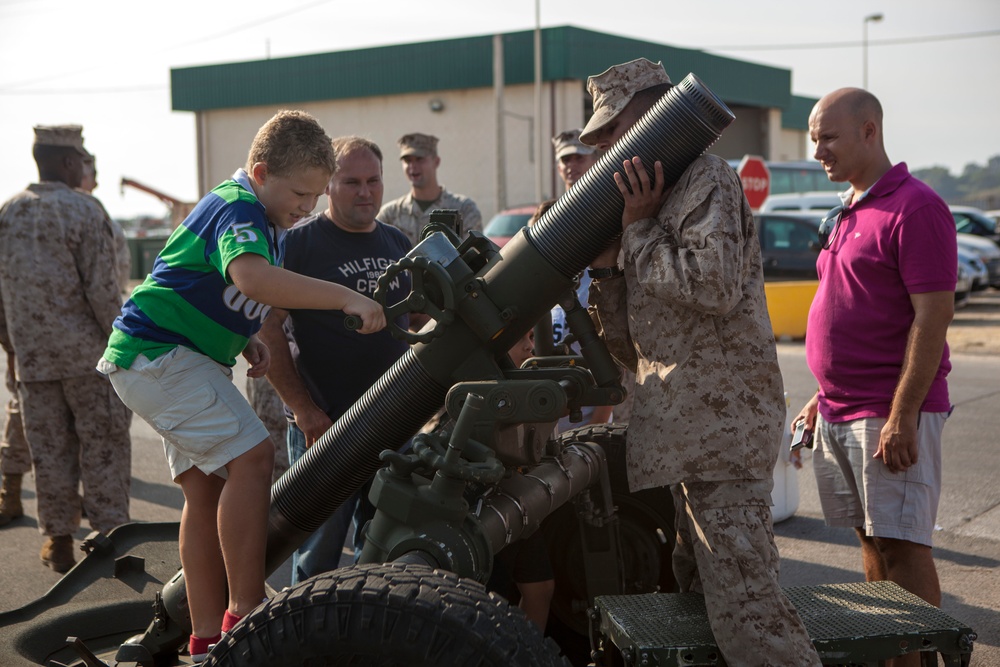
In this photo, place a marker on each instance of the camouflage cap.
(568, 143)
(615, 87)
(69, 136)
(421, 145)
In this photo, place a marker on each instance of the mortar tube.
(536, 268)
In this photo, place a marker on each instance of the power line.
(6, 88)
(285, 13)
(87, 91)
(854, 44)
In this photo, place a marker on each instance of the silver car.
(978, 273)
(986, 250)
(963, 286)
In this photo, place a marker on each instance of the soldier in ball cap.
(573, 157)
(420, 159)
(686, 311)
(58, 298)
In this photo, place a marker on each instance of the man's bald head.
(846, 127)
(861, 105)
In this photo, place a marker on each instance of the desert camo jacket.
(59, 291)
(405, 214)
(691, 319)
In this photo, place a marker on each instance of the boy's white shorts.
(191, 401)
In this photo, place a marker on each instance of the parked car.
(789, 244)
(819, 202)
(798, 176)
(504, 225)
(970, 220)
(978, 273)
(963, 286)
(986, 250)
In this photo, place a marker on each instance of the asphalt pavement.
(967, 548)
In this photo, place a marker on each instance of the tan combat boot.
(57, 553)
(10, 499)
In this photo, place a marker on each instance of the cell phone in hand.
(802, 438)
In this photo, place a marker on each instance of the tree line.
(977, 185)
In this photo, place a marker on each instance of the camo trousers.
(725, 550)
(623, 410)
(268, 406)
(78, 430)
(15, 457)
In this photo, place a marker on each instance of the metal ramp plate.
(850, 624)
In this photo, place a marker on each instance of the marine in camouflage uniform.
(411, 212)
(59, 295)
(688, 314)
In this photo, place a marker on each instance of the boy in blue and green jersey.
(179, 303)
(172, 349)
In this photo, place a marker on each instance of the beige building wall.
(793, 145)
(758, 131)
(746, 134)
(466, 126)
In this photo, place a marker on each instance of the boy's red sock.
(229, 620)
(198, 646)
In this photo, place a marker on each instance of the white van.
(798, 176)
(801, 201)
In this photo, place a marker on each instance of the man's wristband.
(605, 272)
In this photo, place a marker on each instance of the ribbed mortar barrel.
(347, 455)
(677, 129)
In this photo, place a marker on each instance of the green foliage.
(978, 185)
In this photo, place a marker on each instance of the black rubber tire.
(646, 520)
(386, 614)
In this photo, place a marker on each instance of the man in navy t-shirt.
(318, 366)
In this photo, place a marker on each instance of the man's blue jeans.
(322, 551)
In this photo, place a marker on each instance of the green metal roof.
(796, 115)
(567, 53)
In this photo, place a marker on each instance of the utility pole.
(538, 101)
(501, 147)
(871, 18)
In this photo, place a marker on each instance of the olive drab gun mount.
(481, 300)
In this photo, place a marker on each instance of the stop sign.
(756, 179)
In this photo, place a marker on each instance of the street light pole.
(538, 101)
(871, 18)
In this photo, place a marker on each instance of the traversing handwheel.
(425, 275)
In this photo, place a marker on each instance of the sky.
(105, 64)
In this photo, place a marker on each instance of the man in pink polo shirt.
(876, 344)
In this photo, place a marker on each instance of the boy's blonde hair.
(290, 141)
